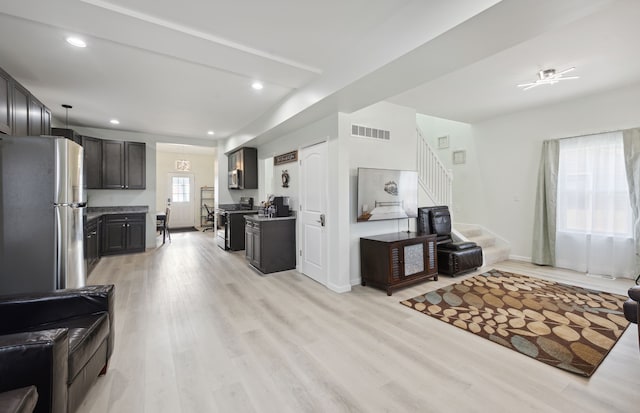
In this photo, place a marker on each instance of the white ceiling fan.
(549, 77)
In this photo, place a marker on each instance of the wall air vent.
(367, 132)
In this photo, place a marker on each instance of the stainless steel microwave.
(235, 179)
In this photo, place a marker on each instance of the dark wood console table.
(392, 261)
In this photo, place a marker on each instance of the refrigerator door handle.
(59, 265)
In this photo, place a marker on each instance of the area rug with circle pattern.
(569, 327)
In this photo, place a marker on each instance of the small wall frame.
(459, 157)
(443, 142)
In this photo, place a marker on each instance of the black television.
(386, 194)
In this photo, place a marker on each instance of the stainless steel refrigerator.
(42, 200)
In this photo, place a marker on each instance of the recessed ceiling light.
(76, 41)
(257, 85)
(210, 132)
(114, 121)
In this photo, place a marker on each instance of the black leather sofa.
(59, 341)
(632, 307)
(454, 258)
(22, 400)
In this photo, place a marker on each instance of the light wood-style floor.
(197, 330)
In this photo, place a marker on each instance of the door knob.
(322, 220)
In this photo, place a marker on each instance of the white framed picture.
(459, 157)
(443, 142)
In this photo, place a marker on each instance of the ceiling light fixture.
(210, 132)
(76, 41)
(257, 85)
(114, 121)
(549, 77)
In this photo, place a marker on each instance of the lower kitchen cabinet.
(123, 233)
(92, 243)
(270, 243)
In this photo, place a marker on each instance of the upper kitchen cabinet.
(21, 113)
(5, 102)
(244, 160)
(35, 117)
(123, 165)
(67, 133)
(20, 110)
(92, 162)
(135, 156)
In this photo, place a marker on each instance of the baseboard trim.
(339, 288)
(519, 258)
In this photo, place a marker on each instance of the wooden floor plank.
(199, 330)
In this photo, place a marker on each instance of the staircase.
(437, 182)
(494, 249)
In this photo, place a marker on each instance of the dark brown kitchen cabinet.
(245, 160)
(135, 165)
(123, 165)
(92, 162)
(123, 233)
(21, 113)
(396, 260)
(35, 117)
(46, 121)
(270, 243)
(113, 164)
(20, 120)
(67, 133)
(5, 102)
(92, 243)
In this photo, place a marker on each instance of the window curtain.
(544, 231)
(594, 217)
(631, 141)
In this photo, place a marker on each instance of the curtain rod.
(592, 134)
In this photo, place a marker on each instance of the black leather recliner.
(59, 341)
(632, 307)
(454, 258)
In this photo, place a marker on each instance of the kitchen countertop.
(242, 211)
(260, 218)
(95, 212)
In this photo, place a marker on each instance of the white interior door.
(313, 206)
(181, 198)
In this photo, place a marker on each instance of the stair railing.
(433, 175)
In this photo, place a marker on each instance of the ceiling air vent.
(367, 132)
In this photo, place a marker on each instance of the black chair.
(59, 342)
(210, 218)
(454, 258)
(162, 225)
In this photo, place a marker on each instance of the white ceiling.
(183, 68)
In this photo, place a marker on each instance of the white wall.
(397, 153)
(324, 130)
(460, 138)
(508, 154)
(203, 169)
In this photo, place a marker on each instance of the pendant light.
(66, 108)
